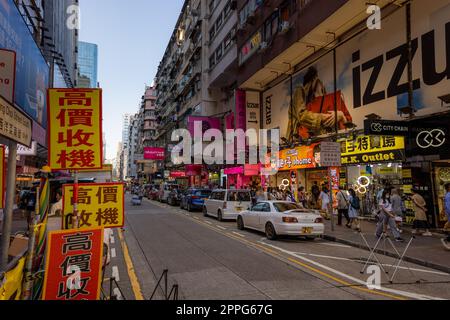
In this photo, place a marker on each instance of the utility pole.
(8, 214)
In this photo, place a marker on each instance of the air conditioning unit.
(285, 27)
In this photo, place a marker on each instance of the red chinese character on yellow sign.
(75, 129)
(99, 205)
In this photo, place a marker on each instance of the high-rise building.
(125, 129)
(87, 64)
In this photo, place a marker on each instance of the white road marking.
(112, 240)
(113, 252)
(115, 273)
(220, 227)
(208, 222)
(355, 280)
(117, 293)
(334, 245)
(196, 218)
(238, 234)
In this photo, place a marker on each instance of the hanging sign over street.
(330, 154)
(7, 74)
(15, 125)
(99, 205)
(73, 269)
(75, 129)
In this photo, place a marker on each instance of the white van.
(227, 204)
(164, 191)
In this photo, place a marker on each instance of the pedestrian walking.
(315, 192)
(420, 214)
(290, 197)
(353, 210)
(387, 217)
(343, 205)
(324, 199)
(302, 196)
(397, 208)
(446, 242)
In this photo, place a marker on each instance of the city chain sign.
(386, 128)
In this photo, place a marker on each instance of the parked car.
(277, 218)
(174, 197)
(194, 199)
(153, 194)
(227, 204)
(164, 191)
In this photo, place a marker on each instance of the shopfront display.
(441, 178)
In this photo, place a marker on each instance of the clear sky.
(131, 36)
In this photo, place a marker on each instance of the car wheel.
(270, 232)
(240, 223)
(219, 216)
(205, 212)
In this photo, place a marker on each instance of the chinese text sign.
(75, 129)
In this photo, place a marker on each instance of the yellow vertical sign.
(75, 129)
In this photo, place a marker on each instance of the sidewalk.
(425, 251)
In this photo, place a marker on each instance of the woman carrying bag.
(353, 211)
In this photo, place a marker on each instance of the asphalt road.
(211, 260)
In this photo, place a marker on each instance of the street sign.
(2, 177)
(14, 124)
(99, 205)
(73, 269)
(7, 74)
(330, 154)
(386, 128)
(75, 129)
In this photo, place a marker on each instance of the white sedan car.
(282, 218)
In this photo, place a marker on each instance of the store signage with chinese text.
(178, 174)
(99, 205)
(154, 153)
(330, 154)
(373, 149)
(305, 157)
(2, 176)
(73, 269)
(75, 129)
(15, 125)
(7, 74)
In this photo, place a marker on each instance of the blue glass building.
(88, 62)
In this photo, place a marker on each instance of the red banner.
(73, 268)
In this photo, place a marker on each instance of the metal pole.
(8, 214)
(330, 206)
(28, 286)
(75, 217)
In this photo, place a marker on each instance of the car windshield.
(203, 193)
(283, 207)
(239, 196)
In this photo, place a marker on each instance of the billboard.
(73, 268)
(32, 71)
(75, 129)
(154, 153)
(99, 205)
(371, 77)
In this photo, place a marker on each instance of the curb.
(420, 262)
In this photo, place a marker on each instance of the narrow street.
(212, 260)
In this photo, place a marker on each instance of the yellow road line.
(130, 268)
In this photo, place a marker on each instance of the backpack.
(355, 203)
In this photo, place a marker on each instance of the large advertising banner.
(207, 123)
(99, 205)
(7, 74)
(32, 71)
(75, 129)
(371, 77)
(73, 268)
(154, 153)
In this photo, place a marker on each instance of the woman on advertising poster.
(312, 110)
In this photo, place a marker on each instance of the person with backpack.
(387, 217)
(343, 206)
(353, 210)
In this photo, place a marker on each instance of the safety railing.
(173, 294)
